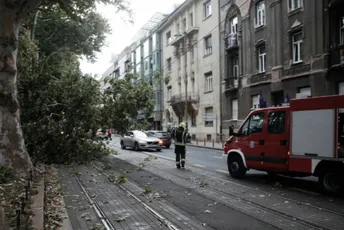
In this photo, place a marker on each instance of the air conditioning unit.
(301, 96)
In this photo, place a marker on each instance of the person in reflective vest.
(180, 143)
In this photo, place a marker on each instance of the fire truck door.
(251, 141)
(277, 141)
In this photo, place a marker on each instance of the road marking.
(217, 157)
(305, 191)
(157, 155)
(200, 166)
(221, 171)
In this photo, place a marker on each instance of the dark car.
(164, 136)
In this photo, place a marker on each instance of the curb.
(66, 223)
(38, 206)
(204, 147)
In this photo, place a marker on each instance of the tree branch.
(26, 7)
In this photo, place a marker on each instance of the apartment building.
(275, 51)
(190, 64)
(145, 58)
(334, 43)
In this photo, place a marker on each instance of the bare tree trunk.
(12, 147)
(3, 222)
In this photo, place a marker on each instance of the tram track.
(106, 221)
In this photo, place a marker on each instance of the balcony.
(232, 85)
(178, 103)
(191, 97)
(180, 38)
(260, 78)
(231, 42)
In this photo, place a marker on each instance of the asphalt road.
(211, 160)
(187, 193)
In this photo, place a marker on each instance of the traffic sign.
(209, 116)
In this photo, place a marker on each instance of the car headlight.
(161, 142)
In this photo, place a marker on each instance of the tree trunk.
(12, 147)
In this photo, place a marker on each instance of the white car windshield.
(140, 134)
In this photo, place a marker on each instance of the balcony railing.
(191, 96)
(232, 84)
(231, 41)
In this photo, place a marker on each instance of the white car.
(139, 140)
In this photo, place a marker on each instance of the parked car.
(164, 136)
(140, 140)
(102, 134)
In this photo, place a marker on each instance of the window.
(234, 25)
(235, 109)
(133, 58)
(146, 65)
(168, 38)
(184, 24)
(255, 101)
(208, 82)
(192, 50)
(209, 120)
(154, 41)
(207, 9)
(208, 45)
(261, 59)
(294, 4)
(146, 48)
(138, 68)
(158, 98)
(260, 14)
(341, 31)
(177, 27)
(235, 73)
(276, 123)
(341, 88)
(193, 120)
(169, 64)
(169, 93)
(138, 54)
(253, 125)
(297, 47)
(191, 24)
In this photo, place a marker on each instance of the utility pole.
(186, 81)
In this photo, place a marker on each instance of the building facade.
(277, 50)
(191, 70)
(146, 63)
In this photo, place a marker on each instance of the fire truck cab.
(302, 139)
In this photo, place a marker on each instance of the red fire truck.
(302, 139)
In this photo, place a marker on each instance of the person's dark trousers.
(180, 156)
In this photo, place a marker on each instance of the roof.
(150, 25)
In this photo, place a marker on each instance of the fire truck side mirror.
(231, 130)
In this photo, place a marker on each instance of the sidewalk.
(208, 145)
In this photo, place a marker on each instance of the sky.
(123, 31)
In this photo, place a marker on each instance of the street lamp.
(185, 77)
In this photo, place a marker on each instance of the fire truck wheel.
(236, 167)
(330, 183)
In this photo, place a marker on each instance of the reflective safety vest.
(180, 137)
